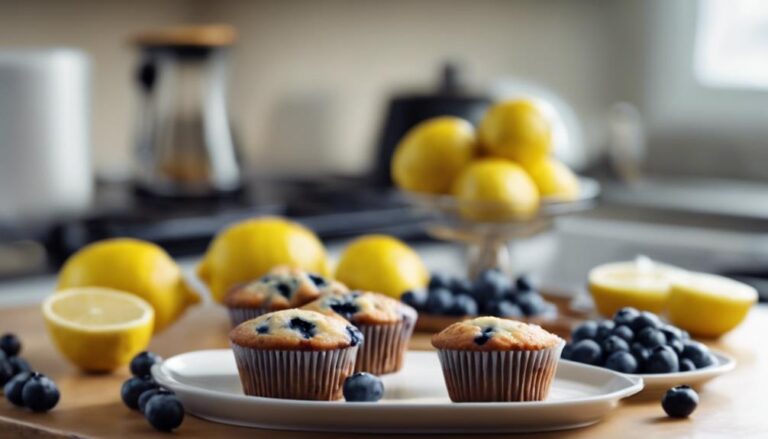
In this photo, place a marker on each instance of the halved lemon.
(98, 329)
(709, 305)
(643, 284)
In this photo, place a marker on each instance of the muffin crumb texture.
(494, 334)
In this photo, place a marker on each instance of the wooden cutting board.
(90, 407)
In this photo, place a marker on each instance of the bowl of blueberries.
(449, 299)
(640, 343)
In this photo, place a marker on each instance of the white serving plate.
(415, 400)
(660, 382)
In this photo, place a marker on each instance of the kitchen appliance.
(184, 144)
(44, 134)
(451, 98)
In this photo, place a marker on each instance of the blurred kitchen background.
(663, 101)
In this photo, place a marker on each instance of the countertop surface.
(731, 405)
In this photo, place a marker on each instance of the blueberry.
(567, 352)
(6, 370)
(625, 316)
(345, 306)
(680, 401)
(484, 336)
(164, 412)
(687, 365)
(355, 336)
(697, 353)
(532, 304)
(463, 305)
(284, 289)
(625, 332)
(19, 365)
(614, 344)
(133, 388)
(363, 387)
(622, 361)
(585, 331)
(604, 329)
(146, 396)
(587, 351)
(640, 352)
(460, 286)
(672, 332)
(10, 344)
(663, 359)
(319, 281)
(305, 328)
(504, 309)
(491, 285)
(651, 337)
(14, 387)
(39, 393)
(439, 280)
(524, 283)
(141, 364)
(645, 320)
(263, 329)
(415, 298)
(439, 301)
(676, 344)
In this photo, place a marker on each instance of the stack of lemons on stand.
(498, 172)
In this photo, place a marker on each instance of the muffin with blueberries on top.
(488, 359)
(295, 354)
(282, 288)
(386, 323)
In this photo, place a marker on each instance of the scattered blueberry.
(39, 393)
(484, 336)
(531, 303)
(284, 289)
(504, 309)
(145, 397)
(697, 353)
(363, 387)
(587, 351)
(585, 331)
(567, 352)
(645, 320)
(6, 370)
(439, 280)
(491, 285)
(305, 328)
(355, 336)
(624, 332)
(263, 329)
(463, 305)
(319, 281)
(622, 361)
(524, 283)
(133, 388)
(345, 306)
(439, 301)
(625, 316)
(164, 412)
(614, 344)
(460, 286)
(417, 299)
(19, 365)
(651, 337)
(14, 387)
(680, 401)
(10, 344)
(663, 359)
(141, 364)
(687, 365)
(604, 329)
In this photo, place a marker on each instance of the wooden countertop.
(731, 406)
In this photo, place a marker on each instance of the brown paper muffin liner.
(240, 315)
(499, 376)
(311, 375)
(384, 348)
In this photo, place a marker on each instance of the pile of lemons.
(497, 172)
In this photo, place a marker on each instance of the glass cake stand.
(488, 241)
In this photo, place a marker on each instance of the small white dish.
(660, 382)
(415, 400)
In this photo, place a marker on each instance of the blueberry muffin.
(491, 359)
(386, 323)
(282, 288)
(295, 354)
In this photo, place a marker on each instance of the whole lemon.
(432, 153)
(381, 264)
(134, 266)
(495, 190)
(517, 130)
(248, 249)
(553, 179)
